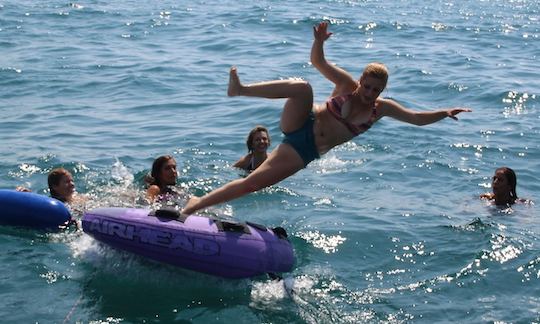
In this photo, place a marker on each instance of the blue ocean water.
(386, 228)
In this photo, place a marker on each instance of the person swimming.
(312, 130)
(257, 143)
(503, 184)
(61, 186)
(162, 179)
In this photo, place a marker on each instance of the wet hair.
(153, 177)
(376, 70)
(53, 180)
(255, 130)
(512, 181)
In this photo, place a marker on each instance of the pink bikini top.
(334, 106)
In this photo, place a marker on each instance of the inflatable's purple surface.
(220, 248)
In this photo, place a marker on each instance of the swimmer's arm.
(487, 195)
(392, 109)
(342, 79)
(526, 201)
(22, 189)
(152, 192)
(242, 163)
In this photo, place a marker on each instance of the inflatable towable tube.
(32, 210)
(216, 247)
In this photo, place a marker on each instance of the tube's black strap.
(280, 232)
(169, 213)
(260, 227)
(224, 226)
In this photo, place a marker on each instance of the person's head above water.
(163, 171)
(503, 184)
(372, 82)
(162, 176)
(376, 70)
(61, 184)
(258, 139)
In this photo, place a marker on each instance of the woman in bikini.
(312, 130)
(161, 179)
(257, 144)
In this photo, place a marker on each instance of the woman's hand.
(320, 31)
(453, 112)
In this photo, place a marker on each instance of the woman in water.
(61, 186)
(312, 130)
(162, 177)
(257, 144)
(503, 184)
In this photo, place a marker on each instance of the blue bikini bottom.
(303, 141)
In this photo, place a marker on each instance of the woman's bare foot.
(234, 83)
(190, 206)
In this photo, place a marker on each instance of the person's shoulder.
(243, 162)
(152, 192)
(153, 189)
(386, 107)
(382, 102)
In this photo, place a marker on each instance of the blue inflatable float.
(32, 210)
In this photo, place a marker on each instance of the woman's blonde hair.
(376, 70)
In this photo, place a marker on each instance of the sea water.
(386, 228)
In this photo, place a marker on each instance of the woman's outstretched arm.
(392, 109)
(343, 81)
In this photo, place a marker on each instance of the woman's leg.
(284, 161)
(298, 93)
(280, 164)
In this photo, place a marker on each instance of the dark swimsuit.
(303, 139)
(58, 198)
